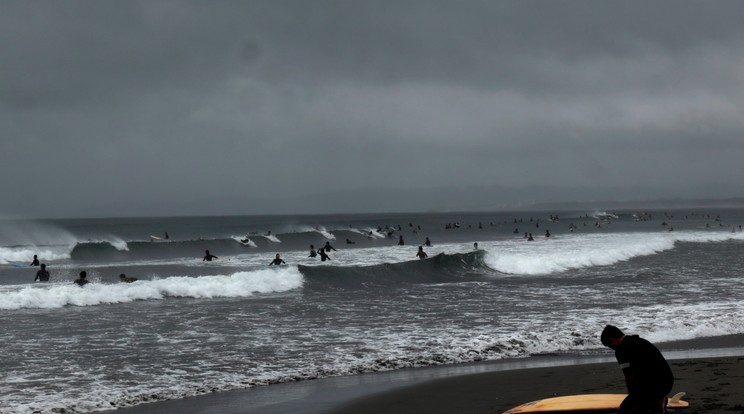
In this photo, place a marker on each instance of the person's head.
(43, 266)
(122, 276)
(277, 255)
(206, 251)
(83, 275)
(421, 248)
(34, 256)
(312, 247)
(611, 336)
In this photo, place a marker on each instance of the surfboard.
(585, 402)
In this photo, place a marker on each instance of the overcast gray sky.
(158, 107)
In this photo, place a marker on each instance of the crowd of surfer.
(388, 231)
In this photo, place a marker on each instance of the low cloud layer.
(177, 107)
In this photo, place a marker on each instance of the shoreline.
(712, 385)
(479, 387)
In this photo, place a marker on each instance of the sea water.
(188, 327)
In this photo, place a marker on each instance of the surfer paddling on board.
(124, 279)
(647, 374)
(208, 256)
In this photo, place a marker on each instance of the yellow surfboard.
(585, 402)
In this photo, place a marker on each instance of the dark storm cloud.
(177, 107)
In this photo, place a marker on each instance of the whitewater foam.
(560, 254)
(240, 284)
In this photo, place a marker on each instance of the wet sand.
(713, 385)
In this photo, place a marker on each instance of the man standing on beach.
(647, 374)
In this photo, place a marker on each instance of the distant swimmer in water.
(208, 256)
(124, 279)
(529, 238)
(35, 262)
(313, 253)
(323, 255)
(475, 246)
(400, 241)
(167, 236)
(427, 242)
(421, 253)
(350, 242)
(277, 261)
(547, 233)
(42, 275)
(328, 247)
(82, 281)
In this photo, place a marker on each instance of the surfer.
(328, 247)
(208, 256)
(475, 246)
(349, 241)
(82, 281)
(427, 242)
(421, 253)
(323, 255)
(42, 275)
(647, 374)
(35, 262)
(167, 236)
(313, 253)
(124, 279)
(400, 240)
(529, 237)
(547, 233)
(277, 261)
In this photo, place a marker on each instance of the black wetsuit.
(422, 254)
(209, 257)
(276, 261)
(35, 262)
(313, 253)
(323, 255)
(42, 275)
(81, 282)
(647, 374)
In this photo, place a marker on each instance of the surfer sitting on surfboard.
(647, 374)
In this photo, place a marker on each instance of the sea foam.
(240, 284)
(564, 253)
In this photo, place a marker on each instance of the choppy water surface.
(188, 327)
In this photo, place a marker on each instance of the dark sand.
(713, 385)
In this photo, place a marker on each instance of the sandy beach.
(713, 385)
(713, 380)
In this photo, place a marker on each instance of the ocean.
(188, 327)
